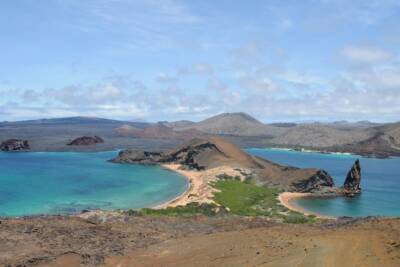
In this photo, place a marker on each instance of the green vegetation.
(295, 217)
(245, 199)
(190, 209)
(225, 176)
(238, 198)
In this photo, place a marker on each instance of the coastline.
(287, 199)
(199, 189)
(303, 150)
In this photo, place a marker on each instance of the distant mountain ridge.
(363, 137)
(238, 124)
(72, 120)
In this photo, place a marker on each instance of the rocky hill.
(176, 124)
(320, 135)
(391, 133)
(384, 142)
(213, 152)
(239, 124)
(157, 131)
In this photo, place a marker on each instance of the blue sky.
(168, 60)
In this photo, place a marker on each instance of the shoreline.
(303, 150)
(199, 189)
(287, 199)
(180, 198)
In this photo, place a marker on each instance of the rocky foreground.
(126, 241)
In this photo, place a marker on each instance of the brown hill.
(212, 152)
(157, 131)
(391, 133)
(175, 124)
(385, 142)
(320, 135)
(239, 124)
(127, 130)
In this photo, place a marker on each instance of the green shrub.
(245, 199)
(299, 218)
(190, 209)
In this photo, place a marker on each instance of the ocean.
(33, 183)
(380, 182)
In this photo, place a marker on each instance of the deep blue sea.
(380, 182)
(59, 183)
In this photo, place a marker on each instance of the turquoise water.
(59, 183)
(380, 182)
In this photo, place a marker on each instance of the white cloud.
(258, 83)
(105, 93)
(365, 54)
(166, 78)
(197, 68)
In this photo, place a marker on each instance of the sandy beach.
(199, 189)
(287, 199)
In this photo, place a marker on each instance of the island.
(86, 141)
(207, 160)
(14, 145)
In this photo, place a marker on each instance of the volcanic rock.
(316, 182)
(86, 140)
(352, 183)
(137, 156)
(14, 145)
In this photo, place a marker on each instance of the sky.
(277, 60)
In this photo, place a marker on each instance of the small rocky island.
(14, 145)
(86, 141)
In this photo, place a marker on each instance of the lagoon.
(33, 183)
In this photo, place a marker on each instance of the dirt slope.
(362, 245)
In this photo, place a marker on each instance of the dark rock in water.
(137, 156)
(352, 183)
(317, 182)
(86, 140)
(14, 145)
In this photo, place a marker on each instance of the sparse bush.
(299, 218)
(190, 209)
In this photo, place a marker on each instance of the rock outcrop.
(353, 180)
(86, 141)
(212, 152)
(138, 156)
(320, 180)
(14, 145)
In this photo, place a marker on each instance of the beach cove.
(45, 183)
(380, 183)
